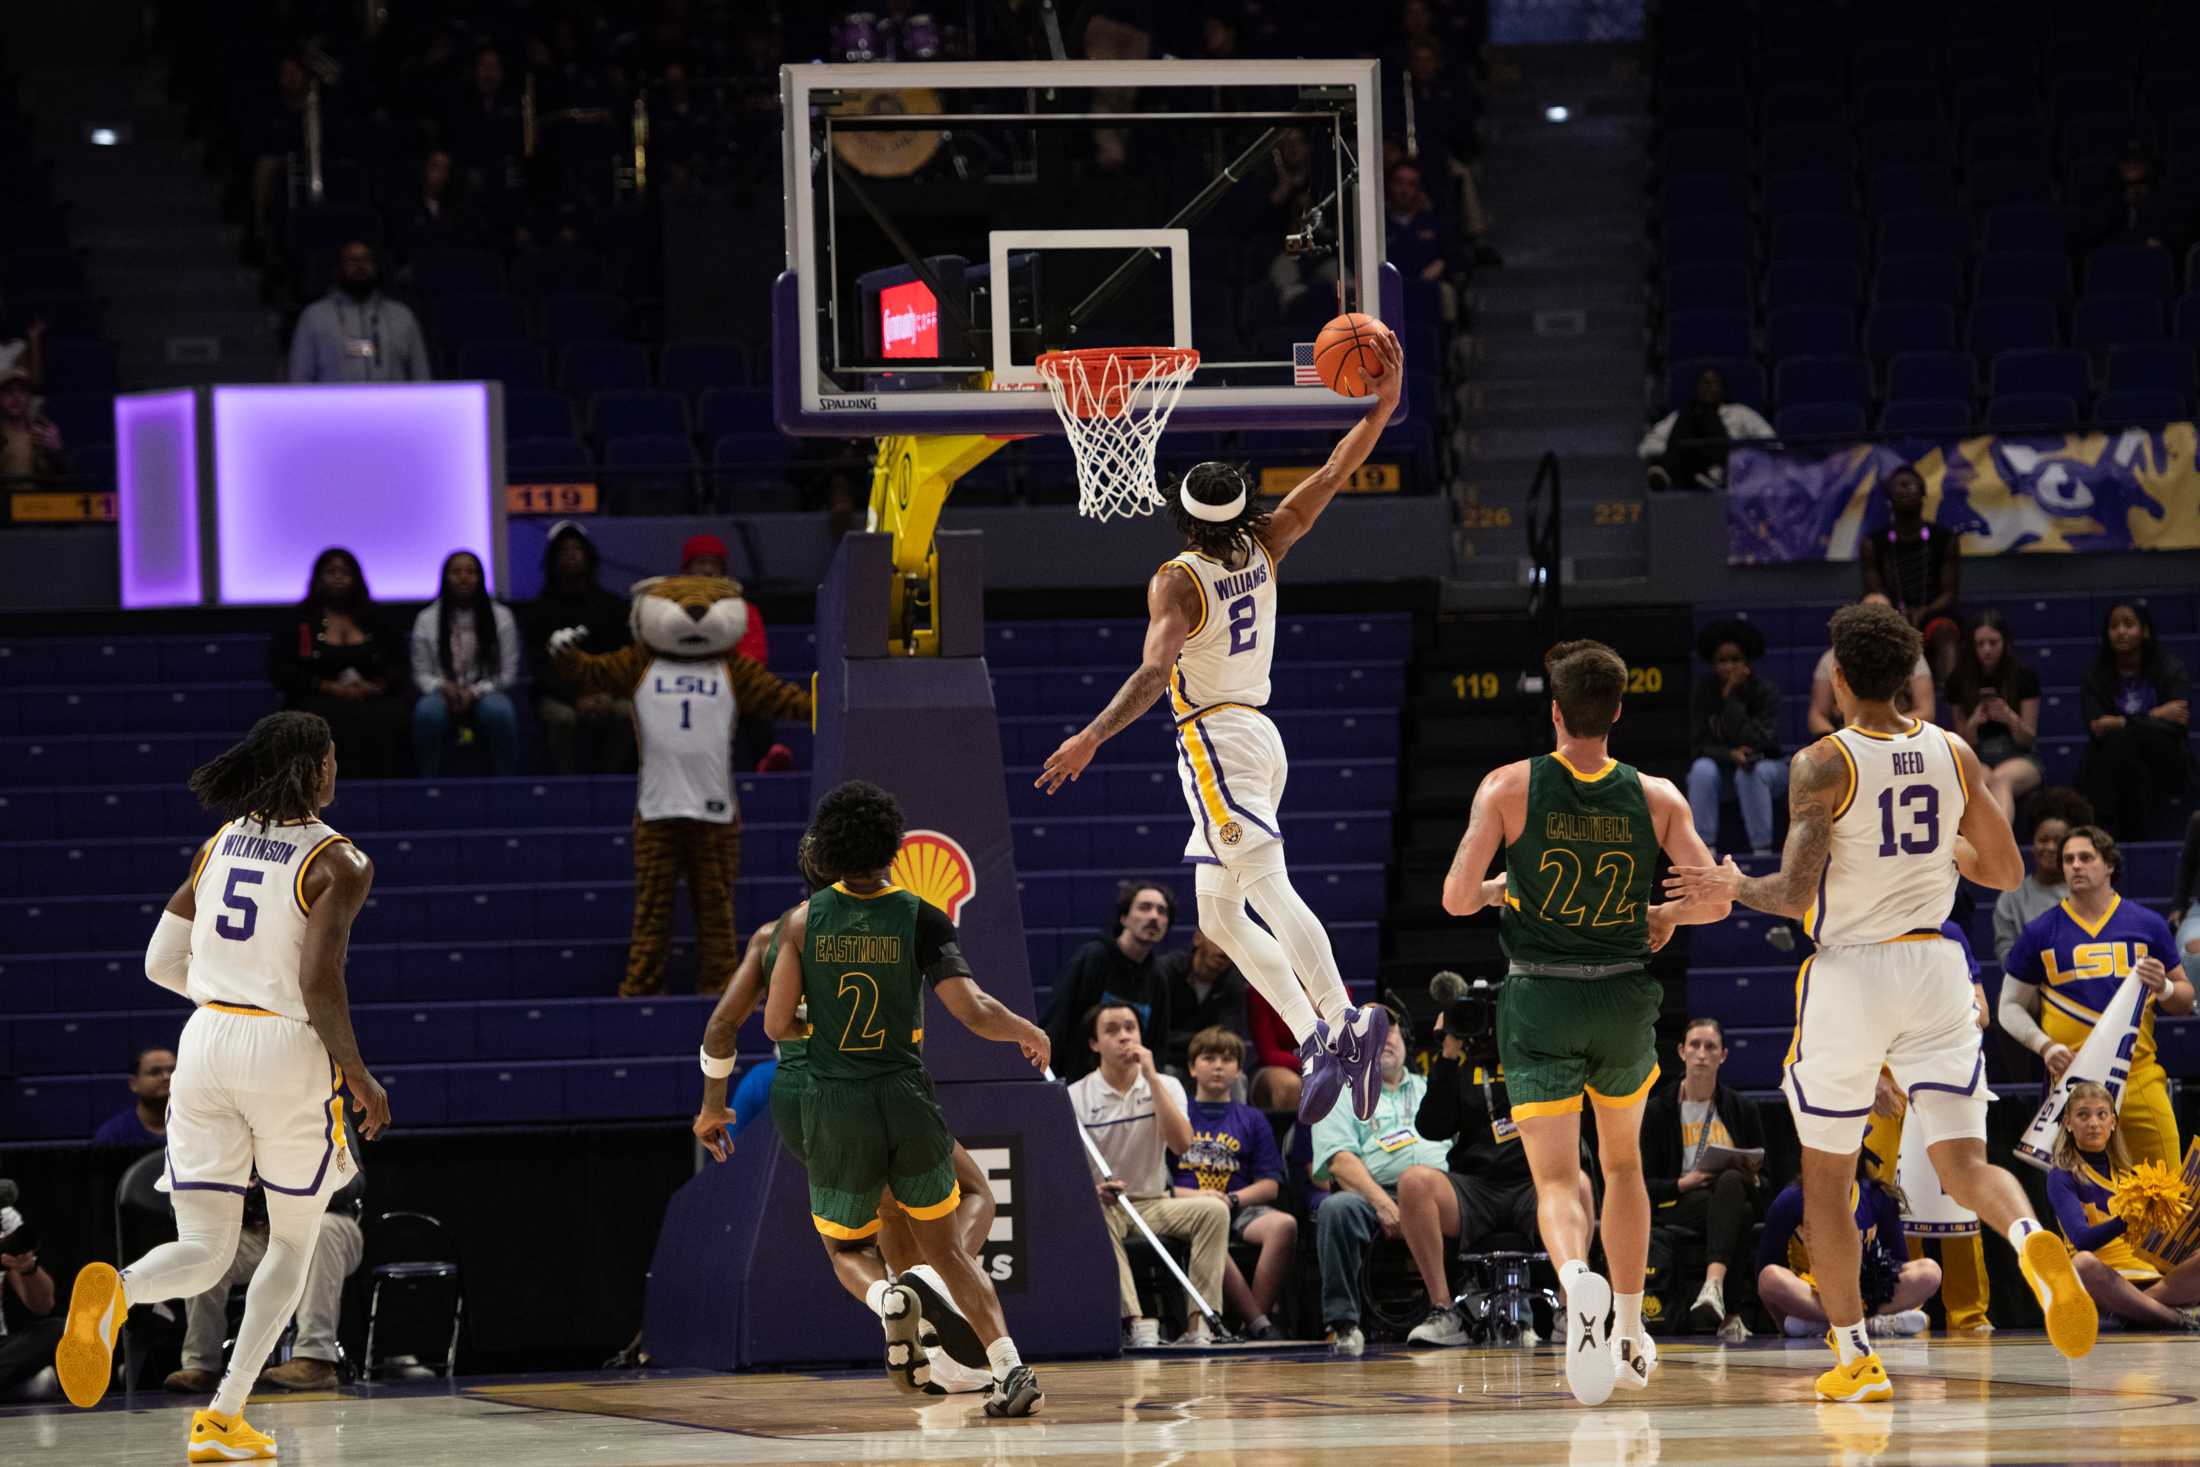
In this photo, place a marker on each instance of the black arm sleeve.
(1438, 1117)
(939, 952)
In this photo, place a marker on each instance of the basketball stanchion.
(1168, 1259)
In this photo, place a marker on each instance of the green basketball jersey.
(1579, 880)
(792, 1053)
(864, 979)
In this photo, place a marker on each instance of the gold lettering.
(856, 948)
(1563, 825)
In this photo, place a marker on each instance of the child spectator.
(1233, 1152)
(2090, 1162)
(1996, 702)
(465, 661)
(2136, 700)
(1895, 1285)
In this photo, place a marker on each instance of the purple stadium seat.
(1839, 237)
(1810, 283)
(599, 366)
(1903, 326)
(1820, 420)
(1801, 104)
(517, 364)
(1932, 279)
(578, 318)
(1909, 186)
(1706, 150)
(2138, 407)
(1697, 241)
(2130, 270)
(1925, 232)
(2005, 140)
(1926, 415)
(2020, 373)
(1745, 383)
(702, 365)
(1823, 148)
(2023, 275)
(1707, 334)
(551, 456)
(1817, 331)
(1719, 284)
(2152, 366)
(2007, 183)
(638, 413)
(2011, 325)
(530, 413)
(2044, 228)
(1813, 192)
(2031, 412)
(467, 318)
(2102, 321)
(437, 273)
(1829, 379)
(1696, 195)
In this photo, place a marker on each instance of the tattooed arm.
(1500, 808)
(1173, 607)
(1818, 783)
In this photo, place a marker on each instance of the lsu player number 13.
(255, 938)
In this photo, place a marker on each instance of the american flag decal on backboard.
(1302, 365)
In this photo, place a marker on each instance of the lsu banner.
(2137, 489)
(2104, 1058)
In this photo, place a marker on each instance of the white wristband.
(714, 1067)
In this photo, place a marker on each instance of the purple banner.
(2137, 489)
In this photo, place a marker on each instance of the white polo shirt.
(1122, 1125)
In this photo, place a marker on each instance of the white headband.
(1218, 514)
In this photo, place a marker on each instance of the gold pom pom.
(2150, 1198)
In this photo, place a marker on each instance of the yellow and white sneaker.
(85, 1358)
(1861, 1379)
(2072, 1321)
(218, 1438)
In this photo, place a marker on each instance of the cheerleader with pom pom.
(1894, 1285)
(2099, 1198)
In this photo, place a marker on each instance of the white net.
(1113, 404)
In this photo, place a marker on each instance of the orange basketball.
(1344, 354)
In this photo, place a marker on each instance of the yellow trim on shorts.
(298, 884)
(1910, 937)
(1528, 1110)
(248, 1010)
(832, 1229)
(937, 1210)
(1204, 780)
(1621, 1102)
(1198, 587)
(1795, 1040)
(1850, 760)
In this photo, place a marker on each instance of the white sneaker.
(1633, 1360)
(951, 1377)
(1145, 1334)
(1590, 1369)
(1347, 1340)
(1709, 1310)
(1444, 1325)
(1733, 1332)
(1900, 1326)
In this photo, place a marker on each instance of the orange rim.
(1136, 364)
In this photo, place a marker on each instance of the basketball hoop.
(1113, 402)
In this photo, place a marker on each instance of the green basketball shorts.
(1561, 1038)
(790, 1083)
(861, 1136)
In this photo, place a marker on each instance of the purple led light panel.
(399, 473)
(157, 497)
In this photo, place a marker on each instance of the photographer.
(1680, 1125)
(30, 1305)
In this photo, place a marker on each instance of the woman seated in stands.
(334, 655)
(1687, 1129)
(1734, 721)
(1996, 702)
(1896, 1285)
(2090, 1160)
(465, 662)
(2136, 701)
(1914, 698)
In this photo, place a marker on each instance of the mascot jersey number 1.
(688, 688)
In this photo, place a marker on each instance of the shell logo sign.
(937, 868)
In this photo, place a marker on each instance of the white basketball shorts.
(255, 1094)
(1904, 1005)
(1233, 768)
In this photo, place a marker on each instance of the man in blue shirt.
(144, 1122)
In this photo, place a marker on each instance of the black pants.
(2132, 774)
(25, 1352)
(1723, 1213)
(373, 735)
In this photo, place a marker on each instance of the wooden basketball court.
(2008, 1400)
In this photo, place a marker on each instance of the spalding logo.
(937, 868)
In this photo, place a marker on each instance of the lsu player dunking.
(1210, 636)
(255, 937)
(1881, 819)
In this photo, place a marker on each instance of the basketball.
(1344, 354)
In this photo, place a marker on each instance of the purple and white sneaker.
(1358, 1044)
(1321, 1079)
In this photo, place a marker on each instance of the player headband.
(1214, 513)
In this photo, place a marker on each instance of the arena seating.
(483, 970)
(1733, 972)
(1935, 196)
